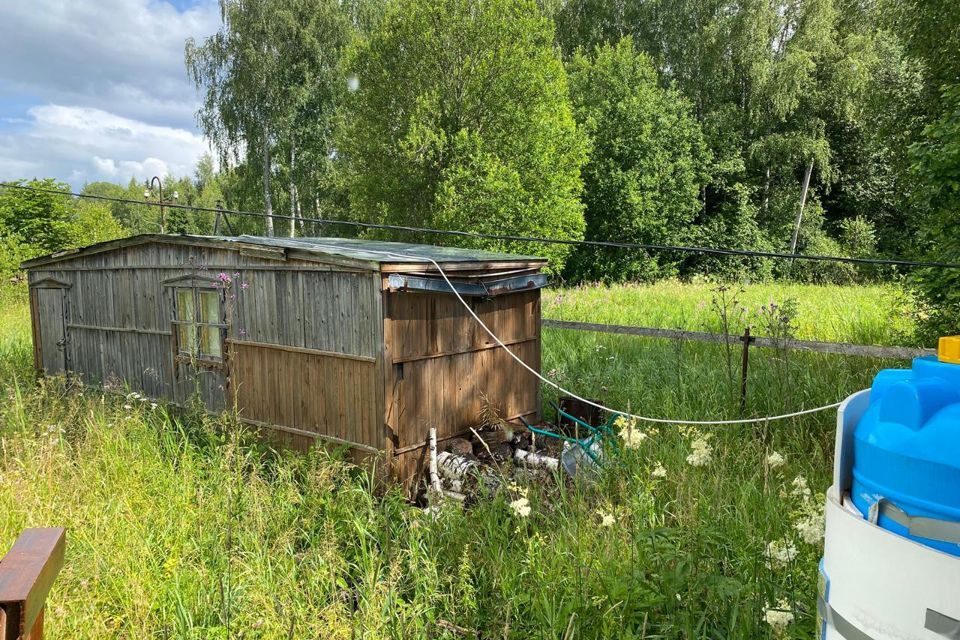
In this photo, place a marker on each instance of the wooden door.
(52, 328)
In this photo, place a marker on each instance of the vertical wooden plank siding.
(442, 364)
(317, 394)
(310, 355)
(315, 351)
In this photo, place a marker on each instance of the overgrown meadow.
(181, 526)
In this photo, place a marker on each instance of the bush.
(937, 164)
(647, 163)
(461, 120)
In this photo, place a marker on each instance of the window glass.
(187, 338)
(185, 309)
(210, 341)
(209, 306)
(198, 322)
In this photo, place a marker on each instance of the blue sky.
(97, 90)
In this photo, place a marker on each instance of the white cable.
(567, 391)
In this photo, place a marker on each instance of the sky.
(97, 89)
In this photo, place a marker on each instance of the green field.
(877, 314)
(180, 527)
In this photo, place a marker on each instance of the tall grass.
(181, 526)
(877, 314)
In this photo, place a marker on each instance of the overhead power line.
(509, 238)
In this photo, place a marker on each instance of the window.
(199, 322)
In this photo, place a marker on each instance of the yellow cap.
(948, 350)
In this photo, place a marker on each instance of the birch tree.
(272, 67)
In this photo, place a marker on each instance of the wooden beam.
(840, 348)
(27, 573)
(310, 434)
(315, 352)
(90, 327)
(444, 354)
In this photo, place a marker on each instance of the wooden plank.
(290, 349)
(310, 434)
(443, 354)
(27, 573)
(88, 327)
(215, 268)
(870, 351)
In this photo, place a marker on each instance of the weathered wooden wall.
(315, 349)
(309, 354)
(305, 336)
(442, 365)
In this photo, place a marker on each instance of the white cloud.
(82, 144)
(98, 90)
(122, 56)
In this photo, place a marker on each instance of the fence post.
(744, 364)
(26, 574)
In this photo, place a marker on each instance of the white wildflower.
(659, 471)
(521, 507)
(631, 435)
(800, 488)
(779, 617)
(780, 553)
(776, 459)
(811, 524)
(702, 452)
(632, 438)
(607, 519)
(127, 407)
(153, 405)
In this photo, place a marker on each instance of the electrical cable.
(477, 318)
(514, 238)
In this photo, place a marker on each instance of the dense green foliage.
(460, 120)
(34, 223)
(648, 162)
(938, 160)
(180, 527)
(820, 126)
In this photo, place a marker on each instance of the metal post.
(160, 190)
(744, 364)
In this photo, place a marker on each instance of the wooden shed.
(311, 338)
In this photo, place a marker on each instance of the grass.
(180, 526)
(876, 314)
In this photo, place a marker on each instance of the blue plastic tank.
(906, 456)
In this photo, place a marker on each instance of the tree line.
(808, 126)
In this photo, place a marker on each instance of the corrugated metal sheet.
(369, 252)
(405, 252)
